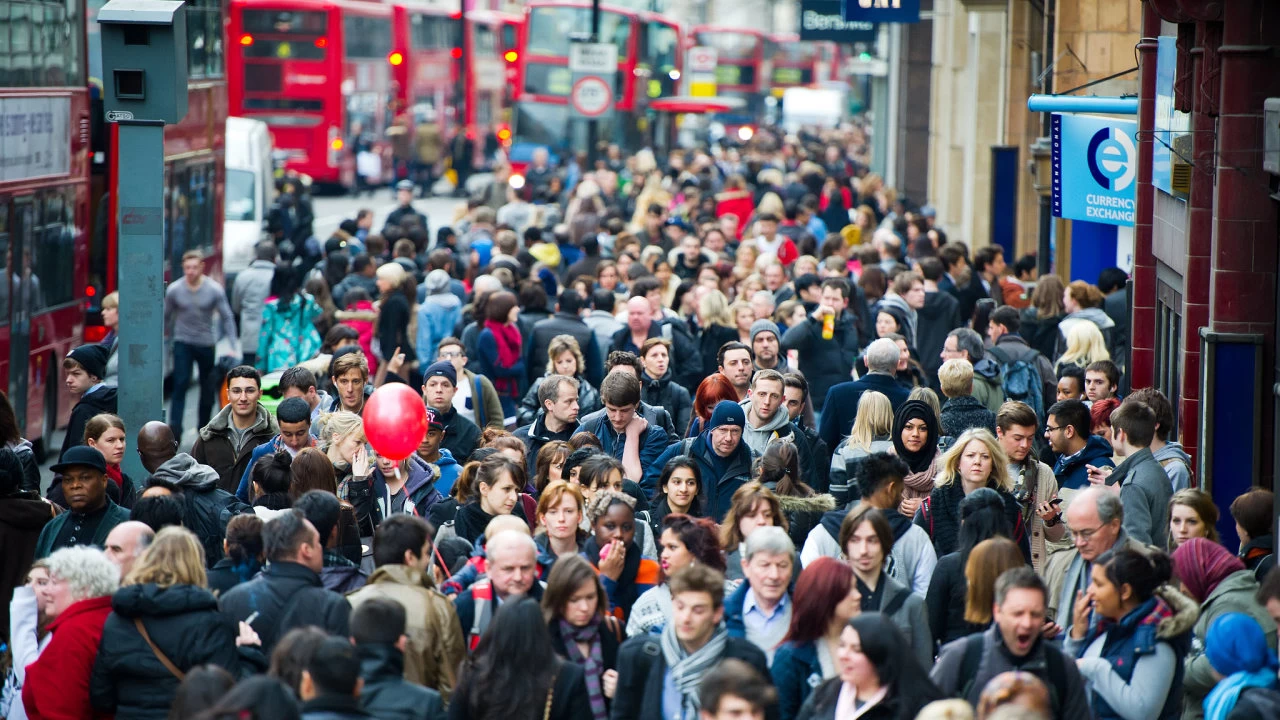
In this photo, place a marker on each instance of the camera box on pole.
(144, 59)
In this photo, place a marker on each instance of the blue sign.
(824, 20)
(887, 11)
(1095, 168)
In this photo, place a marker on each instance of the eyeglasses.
(1085, 535)
(1049, 429)
(450, 355)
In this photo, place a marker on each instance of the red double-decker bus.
(743, 68)
(319, 73)
(428, 41)
(649, 60)
(801, 63)
(44, 206)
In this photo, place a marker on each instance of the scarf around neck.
(508, 337)
(687, 668)
(592, 663)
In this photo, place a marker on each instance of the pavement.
(331, 211)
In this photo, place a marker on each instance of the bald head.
(512, 563)
(126, 542)
(156, 445)
(639, 314)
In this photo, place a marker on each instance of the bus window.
(550, 28)
(427, 32)
(38, 50)
(204, 38)
(56, 250)
(4, 258)
(367, 37)
(486, 41)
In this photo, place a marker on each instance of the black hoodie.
(102, 400)
(386, 694)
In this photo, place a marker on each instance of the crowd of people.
(731, 434)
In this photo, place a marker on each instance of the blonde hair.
(930, 398)
(174, 557)
(770, 204)
(999, 477)
(714, 309)
(112, 300)
(558, 346)
(1084, 345)
(956, 377)
(339, 424)
(874, 419)
(738, 306)
(392, 272)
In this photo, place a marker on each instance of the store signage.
(1095, 168)
(889, 11)
(823, 20)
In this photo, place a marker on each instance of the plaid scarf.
(592, 663)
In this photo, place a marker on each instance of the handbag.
(551, 693)
(164, 659)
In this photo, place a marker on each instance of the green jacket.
(1235, 593)
(115, 515)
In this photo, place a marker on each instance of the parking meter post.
(144, 63)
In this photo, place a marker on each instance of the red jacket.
(737, 202)
(57, 684)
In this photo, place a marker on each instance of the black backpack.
(1055, 669)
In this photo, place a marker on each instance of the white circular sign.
(591, 96)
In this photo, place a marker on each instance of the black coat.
(386, 694)
(334, 707)
(183, 621)
(569, 699)
(825, 363)
(945, 601)
(563, 323)
(686, 361)
(939, 316)
(821, 705)
(666, 393)
(286, 595)
(102, 400)
(588, 401)
(535, 435)
(461, 436)
(641, 669)
(709, 342)
(612, 635)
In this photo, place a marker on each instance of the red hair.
(711, 391)
(1100, 413)
(822, 586)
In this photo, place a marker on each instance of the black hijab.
(916, 410)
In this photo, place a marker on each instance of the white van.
(250, 190)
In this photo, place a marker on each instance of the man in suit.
(660, 676)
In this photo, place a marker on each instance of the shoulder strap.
(164, 659)
(551, 693)
(896, 603)
(1001, 357)
(969, 664)
(615, 626)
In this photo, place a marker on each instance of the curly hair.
(698, 535)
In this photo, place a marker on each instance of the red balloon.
(395, 421)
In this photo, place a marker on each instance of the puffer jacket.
(30, 468)
(209, 507)
(421, 487)
(804, 514)
(216, 448)
(184, 623)
(721, 477)
(588, 401)
(287, 335)
(287, 595)
(665, 392)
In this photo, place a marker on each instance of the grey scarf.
(688, 668)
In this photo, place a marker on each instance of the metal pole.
(140, 229)
(593, 125)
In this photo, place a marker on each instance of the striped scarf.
(592, 663)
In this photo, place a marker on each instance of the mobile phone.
(1056, 501)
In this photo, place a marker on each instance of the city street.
(330, 211)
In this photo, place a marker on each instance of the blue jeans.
(183, 356)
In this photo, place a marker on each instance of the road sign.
(591, 96)
(594, 68)
(593, 58)
(702, 59)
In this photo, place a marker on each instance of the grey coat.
(910, 617)
(1144, 491)
(249, 297)
(1235, 594)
